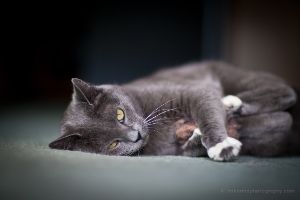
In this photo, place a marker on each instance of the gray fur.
(193, 92)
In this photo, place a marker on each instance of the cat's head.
(101, 119)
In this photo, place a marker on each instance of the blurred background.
(44, 45)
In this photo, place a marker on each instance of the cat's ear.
(65, 142)
(83, 92)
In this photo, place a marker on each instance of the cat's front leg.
(223, 151)
(229, 147)
(210, 117)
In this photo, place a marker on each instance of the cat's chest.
(162, 141)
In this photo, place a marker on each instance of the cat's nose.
(134, 136)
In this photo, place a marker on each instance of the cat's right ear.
(65, 142)
(83, 92)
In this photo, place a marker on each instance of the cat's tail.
(295, 112)
(294, 135)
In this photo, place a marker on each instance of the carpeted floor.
(30, 170)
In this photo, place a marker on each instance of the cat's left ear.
(65, 142)
(83, 92)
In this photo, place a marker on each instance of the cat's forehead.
(88, 114)
(104, 109)
(116, 97)
(99, 108)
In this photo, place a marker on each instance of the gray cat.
(207, 100)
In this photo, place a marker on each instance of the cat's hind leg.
(260, 92)
(193, 146)
(265, 134)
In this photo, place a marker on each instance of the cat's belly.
(162, 141)
(163, 147)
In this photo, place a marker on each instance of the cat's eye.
(113, 144)
(120, 115)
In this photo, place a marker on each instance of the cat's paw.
(231, 103)
(193, 146)
(196, 133)
(226, 150)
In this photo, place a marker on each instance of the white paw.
(231, 103)
(195, 133)
(226, 150)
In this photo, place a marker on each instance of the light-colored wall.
(265, 35)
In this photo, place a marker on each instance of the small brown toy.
(184, 129)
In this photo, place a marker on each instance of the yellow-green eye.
(113, 144)
(120, 115)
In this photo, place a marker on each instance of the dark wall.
(38, 51)
(126, 41)
(45, 45)
(265, 35)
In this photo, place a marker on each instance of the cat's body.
(152, 105)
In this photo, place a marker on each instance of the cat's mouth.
(139, 137)
(139, 144)
(141, 141)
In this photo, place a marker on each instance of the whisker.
(156, 123)
(160, 119)
(158, 111)
(161, 114)
(160, 122)
(166, 118)
(154, 111)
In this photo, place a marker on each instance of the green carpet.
(30, 170)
